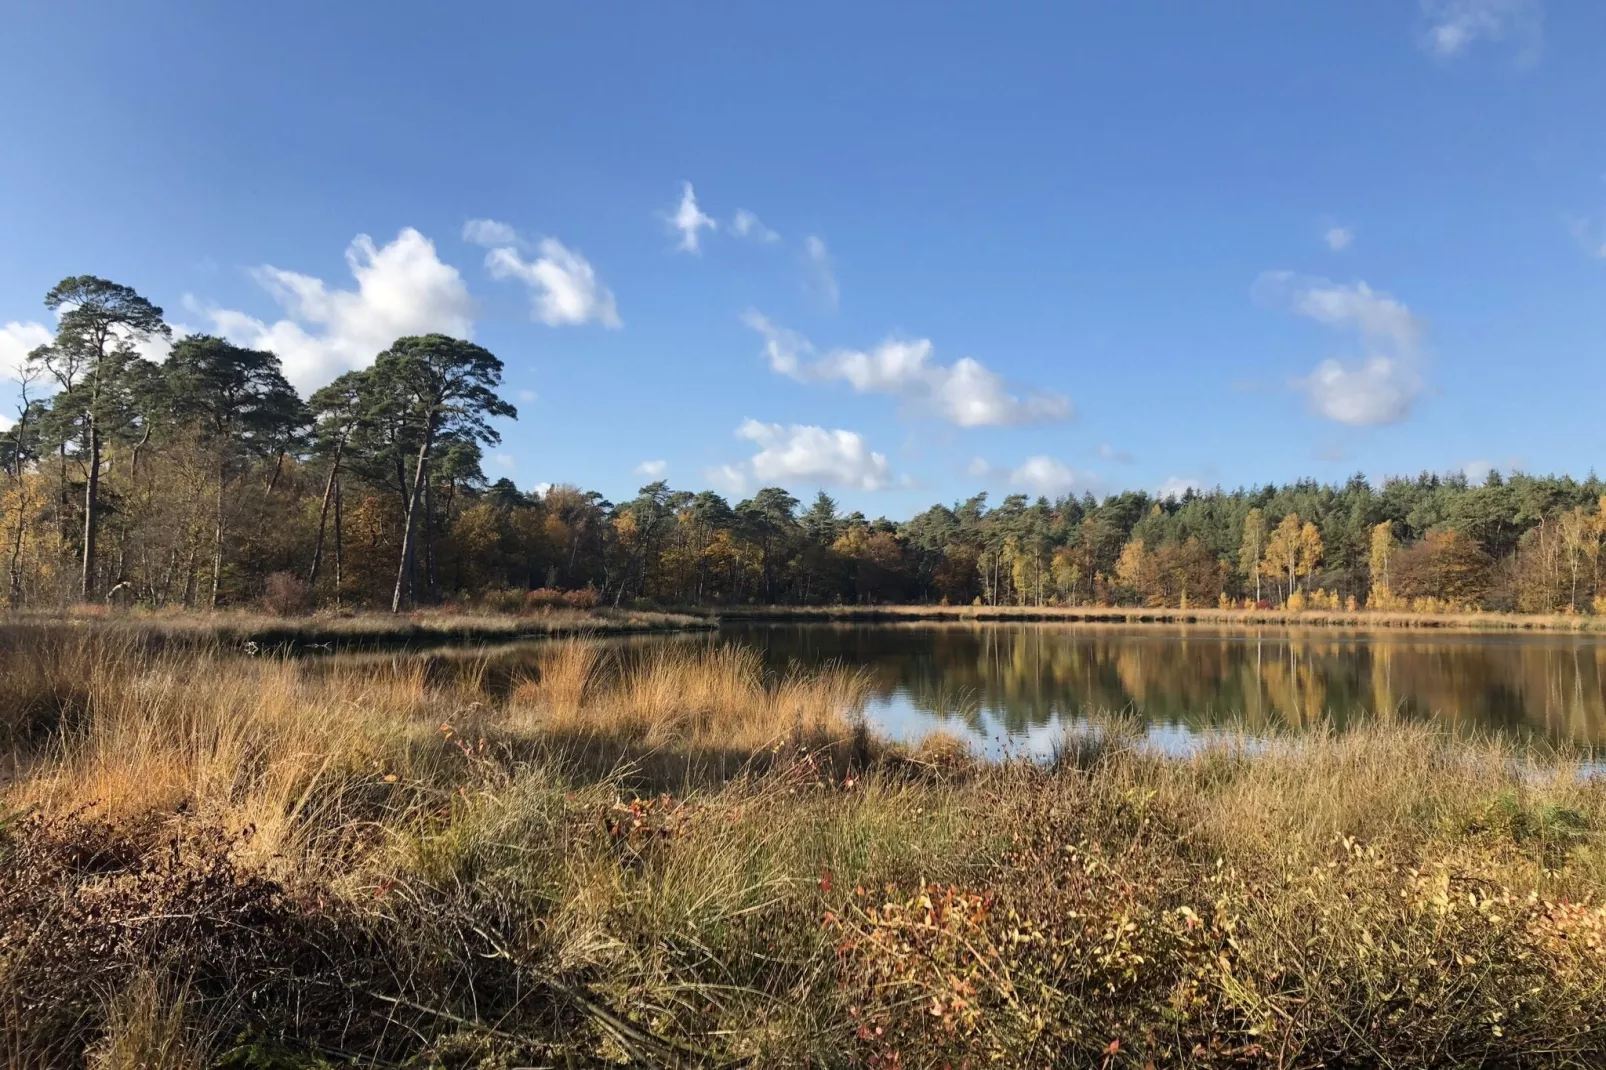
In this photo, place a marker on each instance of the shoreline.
(1143, 616)
(367, 631)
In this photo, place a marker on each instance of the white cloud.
(1455, 25)
(818, 277)
(748, 225)
(17, 340)
(403, 288)
(1177, 486)
(1379, 391)
(6, 423)
(489, 233)
(979, 467)
(540, 489)
(689, 219)
(1477, 471)
(505, 460)
(528, 396)
(965, 393)
(1376, 315)
(564, 287)
(784, 348)
(803, 454)
(1047, 476)
(730, 478)
(652, 469)
(1108, 452)
(1338, 238)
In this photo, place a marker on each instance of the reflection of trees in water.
(1017, 677)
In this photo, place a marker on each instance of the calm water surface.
(1017, 687)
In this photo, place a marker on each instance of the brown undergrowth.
(677, 859)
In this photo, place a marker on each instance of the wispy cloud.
(1590, 235)
(819, 277)
(965, 393)
(652, 469)
(564, 287)
(489, 233)
(1338, 238)
(1108, 452)
(748, 225)
(688, 220)
(1454, 26)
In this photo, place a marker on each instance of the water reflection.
(1017, 685)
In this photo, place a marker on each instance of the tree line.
(206, 480)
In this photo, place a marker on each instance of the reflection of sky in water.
(898, 717)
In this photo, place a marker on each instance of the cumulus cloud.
(1338, 238)
(688, 219)
(564, 287)
(748, 225)
(403, 288)
(1455, 25)
(652, 469)
(1377, 389)
(802, 454)
(1052, 478)
(819, 278)
(17, 340)
(965, 393)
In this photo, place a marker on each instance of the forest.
(204, 480)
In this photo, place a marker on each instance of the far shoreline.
(1140, 616)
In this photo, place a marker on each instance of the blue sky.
(927, 250)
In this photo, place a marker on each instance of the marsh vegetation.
(676, 857)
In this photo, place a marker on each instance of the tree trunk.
(323, 514)
(404, 570)
(15, 598)
(429, 540)
(278, 467)
(91, 517)
(217, 538)
(340, 548)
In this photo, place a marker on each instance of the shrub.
(287, 595)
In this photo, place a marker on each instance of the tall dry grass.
(394, 859)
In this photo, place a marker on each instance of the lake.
(1015, 687)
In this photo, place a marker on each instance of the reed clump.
(680, 857)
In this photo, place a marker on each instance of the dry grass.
(347, 630)
(674, 858)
